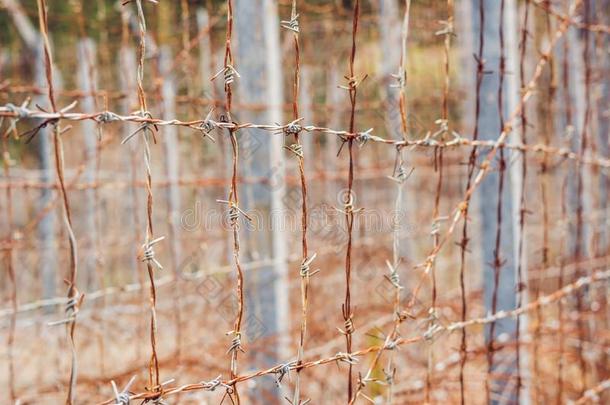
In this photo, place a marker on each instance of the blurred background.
(537, 223)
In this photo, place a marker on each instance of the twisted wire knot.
(347, 358)
(147, 253)
(208, 125)
(293, 128)
(400, 77)
(107, 116)
(295, 148)
(282, 371)
(401, 174)
(349, 327)
(394, 277)
(363, 137)
(233, 215)
(352, 82)
(143, 128)
(234, 212)
(235, 343)
(215, 383)
(53, 122)
(292, 24)
(434, 327)
(305, 271)
(72, 306)
(391, 344)
(229, 73)
(443, 129)
(19, 110)
(432, 331)
(122, 397)
(348, 205)
(388, 377)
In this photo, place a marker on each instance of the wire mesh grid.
(425, 334)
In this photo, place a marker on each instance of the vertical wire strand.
(154, 367)
(74, 296)
(306, 260)
(233, 206)
(471, 169)
(497, 260)
(349, 212)
(398, 202)
(154, 380)
(447, 32)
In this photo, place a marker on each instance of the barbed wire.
(74, 296)
(457, 140)
(439, 139)
(430, 333)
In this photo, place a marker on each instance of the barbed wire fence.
(410, 321)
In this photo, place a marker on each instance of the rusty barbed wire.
(457, 140)
(229, 74)
(352, 84)
(293, 129)
(146, 253)
(441, 140)
(460, 209)
(471, 168)
(74, 297)
(498, 260)
(352, 358)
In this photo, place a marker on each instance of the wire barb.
(122, 397)
(349, 327)
(394, 277)
(234, 212)
(215, 383)
(305, 264)
(235, 343)
(346, 358)
(208, 125)
(282, 371)
(147, 253)
(144, 127)
(229, 73)
(292, 24)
